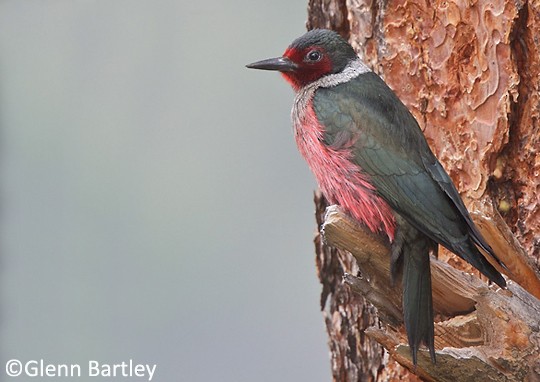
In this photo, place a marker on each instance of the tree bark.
(469, 71)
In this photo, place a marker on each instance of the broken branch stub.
(481, 331)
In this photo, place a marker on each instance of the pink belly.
(340, 180)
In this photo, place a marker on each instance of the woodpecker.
(370, 157)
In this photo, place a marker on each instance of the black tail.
(411, 250)
(417, 300)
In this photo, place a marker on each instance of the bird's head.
(317, 53)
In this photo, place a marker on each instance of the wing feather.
(390, 148)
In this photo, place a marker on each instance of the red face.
(313, 63)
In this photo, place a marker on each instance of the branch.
(483, 332)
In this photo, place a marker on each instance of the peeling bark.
(469, 71)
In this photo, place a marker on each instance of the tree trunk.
(469, 71)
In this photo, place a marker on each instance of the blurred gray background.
(153, 204)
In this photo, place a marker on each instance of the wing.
(438, 173)
(391, 149)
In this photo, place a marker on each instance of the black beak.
(283, 64)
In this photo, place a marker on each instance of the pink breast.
(340, 180)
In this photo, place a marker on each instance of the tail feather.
(417, 299)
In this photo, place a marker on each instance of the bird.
(370, 157)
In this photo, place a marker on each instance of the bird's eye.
(314, 56)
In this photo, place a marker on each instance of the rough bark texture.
(469, 71)
(482, 333)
